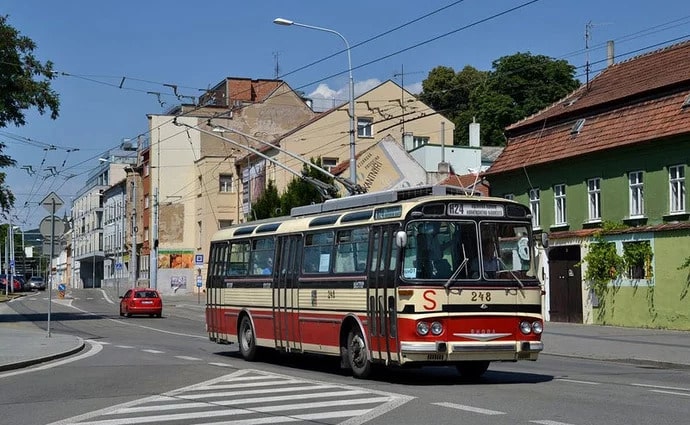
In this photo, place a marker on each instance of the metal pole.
(10, 233)
(50, 262)
(133, 260)
(351, 109)
(153, 261)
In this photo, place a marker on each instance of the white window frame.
(364, 127)
(327, 163)
(534, 208)
(676, 183)
(594, 198)
(636, 191)
(225, 182)
(560, 217)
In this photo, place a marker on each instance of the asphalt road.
(147, 370)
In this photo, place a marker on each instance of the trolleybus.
(413, 277)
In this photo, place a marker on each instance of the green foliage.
(638, 254)
(518, 86)
(612, 226)
(299, 192)
(603, 265)
(24, 83)
(268, 204)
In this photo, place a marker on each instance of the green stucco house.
(603, 171)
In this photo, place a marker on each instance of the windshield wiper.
(505, 266)
(457, 271)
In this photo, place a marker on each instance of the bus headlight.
(537, 327)
(525, 327)
(423, 328)
(436, 328)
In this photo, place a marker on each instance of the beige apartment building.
(384, 112)
(189, 178)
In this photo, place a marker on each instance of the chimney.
(474, 133)
(610, 57)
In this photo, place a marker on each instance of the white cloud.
(414, 88)
(325, 98)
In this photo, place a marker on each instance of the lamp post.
(353, 163)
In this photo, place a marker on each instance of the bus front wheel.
(357, 354)
(247, 339)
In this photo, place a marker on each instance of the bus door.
(381, 305)
(285, 296)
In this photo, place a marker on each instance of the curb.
(26, 363)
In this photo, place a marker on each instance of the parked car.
(17, 284)
(37, 283)
(141, 301)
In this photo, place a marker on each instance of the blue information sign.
(118, 266)
(61, 287)
(199, 259)
(199, 282)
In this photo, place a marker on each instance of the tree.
(268, 204)
(517, 86)
(300, 192)
(24, 83)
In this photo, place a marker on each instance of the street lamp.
(353, 163)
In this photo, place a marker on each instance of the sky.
(110, 55)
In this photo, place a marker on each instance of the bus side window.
(238, 261)
(317, 252)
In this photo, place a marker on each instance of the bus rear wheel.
(472, 370)
(357, 354)
(247, 339)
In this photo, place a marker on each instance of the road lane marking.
(148, 350)
(357, 405)
(470, 408)
(575, 381)
(670, 392)
(547, 422)
(220, 364)
(660, 387)
(190, 358)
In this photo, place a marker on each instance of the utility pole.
(153, 259)
(133, 260)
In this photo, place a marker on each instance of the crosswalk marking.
(250, 397)
(470, 409)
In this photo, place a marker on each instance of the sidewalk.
(23, 344)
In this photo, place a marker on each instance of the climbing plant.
(637, 257)
(603, 264)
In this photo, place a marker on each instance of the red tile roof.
(467, 181)
(632, 102)
(646, 121)
(642, 74)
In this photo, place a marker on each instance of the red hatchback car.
(141, 301)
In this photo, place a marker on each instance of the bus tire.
(357, 354)
(247, 339)
(473, 369)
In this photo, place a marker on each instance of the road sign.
(61, 287)
(199, 282)
(199, 259)
(12, 264)
(52, 200)
(118, 266)
(46, 226)
(56, 246)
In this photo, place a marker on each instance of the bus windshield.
(492, 250)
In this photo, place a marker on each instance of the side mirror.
(545, 240)
(401, 239)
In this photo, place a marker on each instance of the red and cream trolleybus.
(413, 277)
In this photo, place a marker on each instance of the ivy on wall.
(604, 264)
